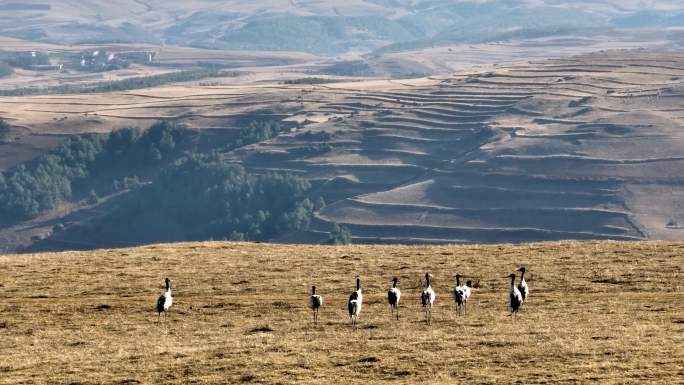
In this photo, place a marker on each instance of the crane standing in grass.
(355, 303)
(467, 290)
(515, 298)
(522, 286)
(393, 296)
(165, 301)
(427, 298)
(316, 303)
(459, 295)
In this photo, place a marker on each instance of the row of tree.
(133, 83)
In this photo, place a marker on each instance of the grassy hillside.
(607, 312)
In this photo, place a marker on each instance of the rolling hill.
(328, 28)
(587, 147)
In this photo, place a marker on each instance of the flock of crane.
(517, 294)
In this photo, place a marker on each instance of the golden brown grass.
(605, 312)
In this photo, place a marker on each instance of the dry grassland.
(601, 312)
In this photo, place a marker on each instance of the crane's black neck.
(427, 280)
(522, 274)
(168, 284)
(512, 280)
(358, 283)
(394, 283)
(313, 290)
(458, 280)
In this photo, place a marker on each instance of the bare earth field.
(605, 312)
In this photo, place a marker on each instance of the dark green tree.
(4, 129)
(92, 197)
(340, 235)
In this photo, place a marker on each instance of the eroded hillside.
(587, 147)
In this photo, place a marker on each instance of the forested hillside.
(158, 185)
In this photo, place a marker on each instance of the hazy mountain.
(322, 27)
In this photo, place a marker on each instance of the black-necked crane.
(393, 296)
(355, 303)
(427, 298)
(316, 303)
(522, 286)
(515, 298)
(467, 289)
(165, 301)
(459, 295)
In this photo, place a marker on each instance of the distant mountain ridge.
(326, 28)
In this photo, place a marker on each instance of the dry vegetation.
(607, 312)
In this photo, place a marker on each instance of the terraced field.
(588, 147)
(584, 148)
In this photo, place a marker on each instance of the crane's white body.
(430, 295)
(316, 303)
(427, 298)
(514, 296)
(397, 294)
(165, 301)
(461, 294)
(524, 289)
(168, 300)
(355, 303)
(466, 292)
(393, 297)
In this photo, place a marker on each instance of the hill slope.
(322, 27)
(603, 312)
(587, 147)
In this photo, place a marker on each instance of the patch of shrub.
(318, 136)
(4, 129)
(340, 235)
(311, 80)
